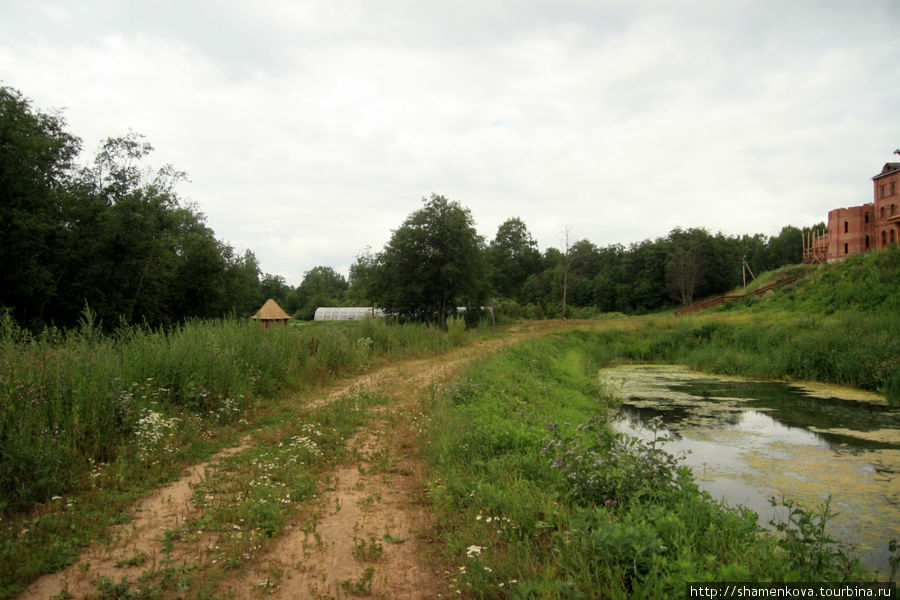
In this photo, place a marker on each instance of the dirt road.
(368, 533)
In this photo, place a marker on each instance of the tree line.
(115, 236)
(436, 262)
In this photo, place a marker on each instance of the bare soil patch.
(162, 510)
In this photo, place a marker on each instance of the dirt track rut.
(372, 528)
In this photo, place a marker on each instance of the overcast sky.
(311, 129)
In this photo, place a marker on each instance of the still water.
(747, 441)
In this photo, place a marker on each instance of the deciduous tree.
(513, 257)
(433, 263)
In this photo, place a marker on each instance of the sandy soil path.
(372, 535)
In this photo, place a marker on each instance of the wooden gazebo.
(271, 313)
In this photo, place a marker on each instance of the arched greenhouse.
(346, 313)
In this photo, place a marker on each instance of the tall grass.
(70, 400)
(857, 349)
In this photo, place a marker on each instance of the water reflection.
(748, 441)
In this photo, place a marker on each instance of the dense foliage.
(433, 264)
(113, 235)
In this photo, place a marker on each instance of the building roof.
(888, 169)
(270, 311)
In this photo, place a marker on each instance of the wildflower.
(473, 551)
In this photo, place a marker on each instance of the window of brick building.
(882, 212)
(846, 226)
(893, 207)
(846, 250)
(893, 188)
(883, 239)
(893, 236)
(883, 191)
(867, 217)
(867, 242)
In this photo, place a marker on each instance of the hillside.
(867, 283)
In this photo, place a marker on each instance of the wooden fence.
(716, 300)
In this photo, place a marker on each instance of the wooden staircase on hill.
(716, 300)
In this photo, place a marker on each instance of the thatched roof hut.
(271, 313)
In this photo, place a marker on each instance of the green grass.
(868, 282)
(90, 422)
(536, 497)
(852, 348)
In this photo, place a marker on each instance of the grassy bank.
(849, 348)
(538, 498)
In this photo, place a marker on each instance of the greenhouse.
(346, 313)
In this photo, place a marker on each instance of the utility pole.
(744, 268)
(566, 231)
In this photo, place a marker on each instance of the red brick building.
(850, 231)
(873, 225)
(887, 205)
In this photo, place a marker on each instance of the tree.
(362, 277)
(36, 162)
(136, 253)
(242, 282)
(684, 271)
(584, 264)
(567, 263)
(434, 262)
(113, 235)
(513, 257)
(786, 248)
(275, 287)
(643, 286)
(321, 286)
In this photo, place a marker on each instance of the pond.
(747, 441)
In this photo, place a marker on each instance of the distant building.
(887, 205)
(850, 231)
(858, 229)
(271, 313)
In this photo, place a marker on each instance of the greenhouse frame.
(346, 313)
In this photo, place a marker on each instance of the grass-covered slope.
(867, 282)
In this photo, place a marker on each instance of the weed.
(612, 469)
(138, 560)
(894, 558)
(805, 542)
(361, 586)
(370, 551)
(392, 540)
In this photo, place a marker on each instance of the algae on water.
(749, 440)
